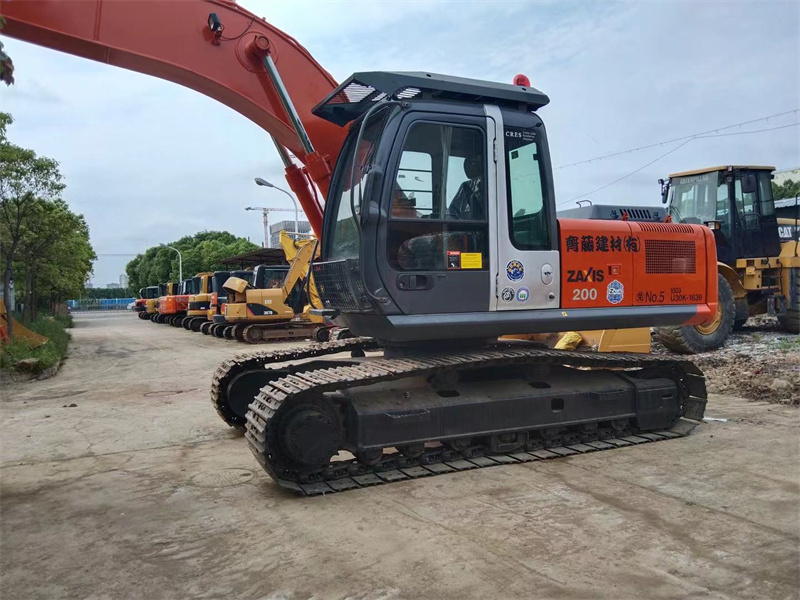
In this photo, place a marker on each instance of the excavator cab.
(440, 223)
(735, 201)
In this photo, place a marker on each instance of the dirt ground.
(119, 481)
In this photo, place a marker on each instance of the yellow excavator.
(257, 311)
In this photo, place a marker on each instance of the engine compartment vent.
(664, 257)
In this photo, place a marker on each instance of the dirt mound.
(760, 362)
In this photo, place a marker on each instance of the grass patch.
(50, 354)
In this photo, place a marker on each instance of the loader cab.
(735, 201)
(441, 202)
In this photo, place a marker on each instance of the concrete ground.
(140, 491)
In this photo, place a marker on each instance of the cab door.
(525, 228)
(434, 257)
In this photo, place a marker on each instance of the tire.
(791, 322)
(690, 339)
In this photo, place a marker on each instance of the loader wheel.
(197, 323)
(227, 332)
(791, 322)
(205, 328)
(692, 339)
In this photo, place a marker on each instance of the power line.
(680, 139)
(628, 175)
(685, 141)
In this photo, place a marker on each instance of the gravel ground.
(760, 362)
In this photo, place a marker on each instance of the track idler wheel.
(177, 321)
(310, 435)
(238, 332)
(413, 450)
(322, 334)
(227, 332)
(186, 323)
(253, 334)
(370, 457)
(197, 323)
(143, 315)
(218, 330)
(205, 328)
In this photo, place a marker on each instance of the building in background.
(123, 281)
(112, 286)
(88, 285)
(288, 227)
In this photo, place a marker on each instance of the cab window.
(528, 219)
(438, 216)
(765, 194)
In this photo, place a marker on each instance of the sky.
(147, 161)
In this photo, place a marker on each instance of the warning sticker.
(471, 260)
(453, 259)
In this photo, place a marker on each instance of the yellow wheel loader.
(257, 312)
(758, 267)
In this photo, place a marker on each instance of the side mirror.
(748, 184)
(664, 190)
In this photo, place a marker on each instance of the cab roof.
(361, 91)
(722, 168)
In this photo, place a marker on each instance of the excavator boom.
(214, 47)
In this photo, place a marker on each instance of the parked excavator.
(150, 295)
(140, 304)
(173, 307)
(439, 235)
(199, 302)
(166, 290)
(219, 298)
(278, 303)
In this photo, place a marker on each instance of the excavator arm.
(214, 47)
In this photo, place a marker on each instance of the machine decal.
(507, 295)
(589, 275)
(522, 294)
(602, 243)
(615, 292)
(515, 270)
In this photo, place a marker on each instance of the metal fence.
(99, 304)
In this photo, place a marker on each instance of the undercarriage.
(335, 422)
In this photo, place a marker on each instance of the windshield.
(698, 199)
(344, 236)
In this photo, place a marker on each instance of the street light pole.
(266, 183)
(180, 261)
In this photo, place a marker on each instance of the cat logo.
(589, 275)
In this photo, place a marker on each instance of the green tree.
(25, 180)
(788, 189)
(6, 66)
(203, 251)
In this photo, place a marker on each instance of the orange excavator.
(439, 236)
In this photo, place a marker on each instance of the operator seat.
(467, 204)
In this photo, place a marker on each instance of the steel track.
(350, 474)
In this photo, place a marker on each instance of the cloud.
(148, 161)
